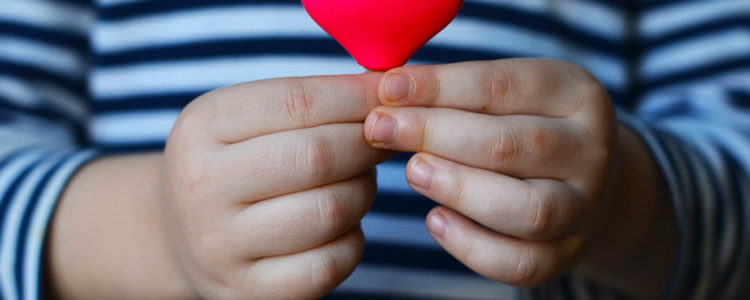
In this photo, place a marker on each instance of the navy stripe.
(543, 23)
(402, 157)
(44, 112)
(707, 28)
(298, 46)
(46, 35)
(702, 72)
(740, 99)
(86, 3)
(403, 204)
(144, 103)
(412, 257)
(129, 10)
(129, 148)
(33, 73)
(25, 224)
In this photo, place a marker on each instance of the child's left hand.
(524, 147)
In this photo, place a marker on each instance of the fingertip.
(437, 223)
(396, 87)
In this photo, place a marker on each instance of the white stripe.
(671, 18)
(133, 127)
(203, 25)
(696, 52)
(392, 178)
(54, 15)
(656, 99)
(39, 94)
(403, 282)
(411, 231)
(593, 17)
(33, 132)
(44, 56)
(11, 225)
(40, 220)
(202, 75)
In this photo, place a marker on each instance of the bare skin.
(263, 185)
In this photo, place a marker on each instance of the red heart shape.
(382, 34)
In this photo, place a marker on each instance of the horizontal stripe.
(405, 203)
(705, 75)
(192, 76)
(74, 86)
(204, 25)
(48, 14)
(143, 102)
(398, 282)
(392, 179)
(142, 126)
(53, 36)
(414, 258)
(697, 52)
(669, 19)
(392, 229)
(44, 56)
(702, 29)
(34, 95)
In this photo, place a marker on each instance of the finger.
(247, 110)
(291, 161)
(500, 87)
(521, 146)
(306, 275)
(301, 221)
(498, 257)
(536, 209)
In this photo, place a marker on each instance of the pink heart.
(382, 34)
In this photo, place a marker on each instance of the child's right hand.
(266, 183)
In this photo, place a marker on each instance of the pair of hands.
(267, 181)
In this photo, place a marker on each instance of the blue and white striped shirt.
(84, 78)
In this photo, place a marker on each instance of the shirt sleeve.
(694, 115)
(43, 113)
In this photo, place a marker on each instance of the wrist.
(105, 240)
(634, 250)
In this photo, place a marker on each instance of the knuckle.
(527, 271)
(324, 273)
(540, 213)
(299, 101)
(504, 148)
(315, 157)
(500, 84)
(331, 213)
(541, 141)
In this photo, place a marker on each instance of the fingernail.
(384, 130)
(437, 224)
(397, 87)
(421, 174)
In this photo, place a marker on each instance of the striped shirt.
(82, 78)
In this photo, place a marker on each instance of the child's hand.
(266, 184)
(524, 147)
